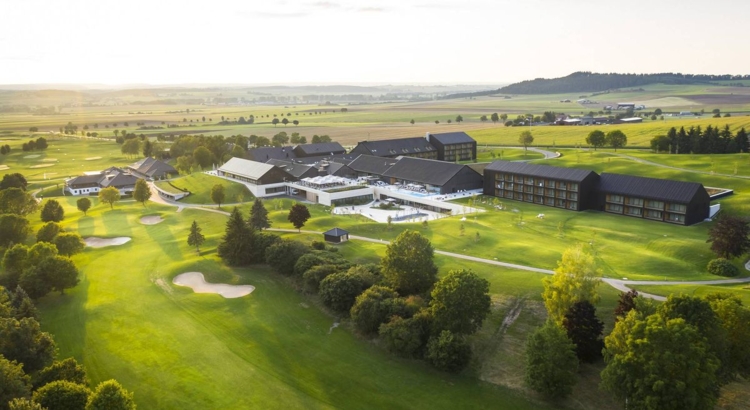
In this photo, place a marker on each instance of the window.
(573, 196)
(654, 204)
(573, 205)
(652, 214)
(539, 199)
(629, 210)
(528, 189)
(539, 191)
(528, 180)
(549, 201)
(550, 184)
(573, 187)
(560, 203)
(677, 208)
(676, 218)
(613, 208)
(634, 201)
(550, 192)
(561, 194)
(528, 198)
(614, 198)
(562, 185)
(501, 185)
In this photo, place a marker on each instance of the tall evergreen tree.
(195, 238)
(585, 331)
(259, 216)
(235, 248)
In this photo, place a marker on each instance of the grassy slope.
(200, 184)
(179, 349)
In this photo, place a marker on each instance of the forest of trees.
(711, 140)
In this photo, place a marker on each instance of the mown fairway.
(270, 349)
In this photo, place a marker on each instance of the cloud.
(371, 9)
(282, 15)
(325, 5)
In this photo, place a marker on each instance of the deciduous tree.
(525, 139)
(202, 157)
(68, 370)
(576, 279)
(62, 394)
(283, 255)
(448, 352)
(217, 194)
(340, 290)
(110, 395)
(13, 229)
(616, 139)
(551, 363)
(298, 215)
(596, 139)
(23, 341)
(69, 243)
(373, 307)
(14, 383)
(729, 236)
(659, 364)
(83, 205)
(109, 195)
(52, 211)
(408, 264)
(142, 192)
(16, 201)
(460, 302)
(625, 304)
(48, 232)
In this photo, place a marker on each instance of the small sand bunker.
(33, 156)
(196, 281)
(42, 166)
(49, 160)
(151, 220)
(102, 242)
(4, 167)
(92, 158)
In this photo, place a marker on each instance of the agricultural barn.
(411, 147)
(253, 173)
(453, 146)
(336, 235)
(435, 176)
(567, 188)
(149, 168)
(632, 120)
(679, 202)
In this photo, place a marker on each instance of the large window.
(677, 208)
(676, 218)
(653, 214)
(634, 201)
(617, 199)
(629, 210)
(613, 208)
(654, 204)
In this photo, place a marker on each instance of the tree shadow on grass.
(116, 223)
(162, 235)
(65, 316)
(86, 226)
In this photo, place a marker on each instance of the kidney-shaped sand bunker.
(196, 281)
(95, 242)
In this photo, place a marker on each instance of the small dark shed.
(336, 235)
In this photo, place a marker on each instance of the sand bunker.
(196, 281)
(151, 220)
(4, 167)
(92, 158)
(102, 242)
(33, 156)
(49, 160)
(42, 166)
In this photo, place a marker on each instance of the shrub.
(339, 290)
(373, 308)
(315, 275)
(62, 394)
(282, 256)
(407, 337)
(448, 352)
(318, 245)
(722, 267)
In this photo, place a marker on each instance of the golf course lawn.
(200, 184)
(272, 348)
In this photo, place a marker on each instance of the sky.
(363, 41)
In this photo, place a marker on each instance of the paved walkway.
(621, 285)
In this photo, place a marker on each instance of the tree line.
(31, 377)
(711, 140)
(399, 300)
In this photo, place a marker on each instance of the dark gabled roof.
(342, 158)
(427, 171)
(119, 181)
(296, 170)
(336, 232)
(323, 148)
(666, 190)
(263, 154)
(452, 138)
(149, 166)
(85, 180)
(371, 164)
(335, 168)
(401, 146)
(542, 171)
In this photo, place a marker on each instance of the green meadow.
(200, 185)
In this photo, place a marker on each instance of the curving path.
(621, 285)
(547, 154)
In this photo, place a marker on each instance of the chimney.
(427, 136)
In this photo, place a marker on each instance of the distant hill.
(592, 82)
